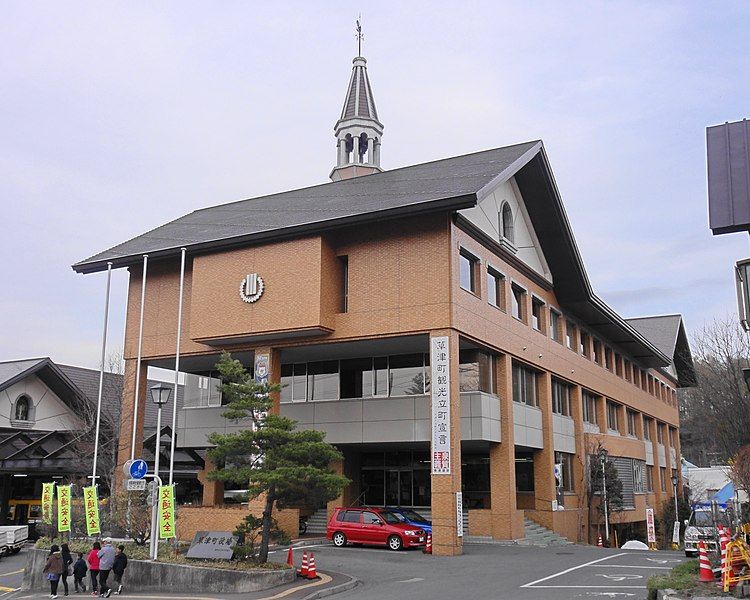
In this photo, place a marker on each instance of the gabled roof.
(13, 371)
(443, 185)
(667, 333)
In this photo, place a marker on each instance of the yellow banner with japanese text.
(91, 509)
(63, 507)
(166, 512)
(48, 495)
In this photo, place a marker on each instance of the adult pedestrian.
(93, 560)
(106, 561)
(119, 566)
(67, 561)
(53, 569)
(79, 573)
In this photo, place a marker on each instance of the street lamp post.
(603, 461)
(675, 481)
(160, 396)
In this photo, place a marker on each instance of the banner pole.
(101, 373)
(177, 367)
(138, 364)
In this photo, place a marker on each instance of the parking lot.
(491, 572)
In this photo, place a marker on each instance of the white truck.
(702, 526)
(13, 538)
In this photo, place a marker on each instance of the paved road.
(11, 573)
(488, 572)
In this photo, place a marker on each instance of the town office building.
(435, 321)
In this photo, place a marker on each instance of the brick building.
(436, 321)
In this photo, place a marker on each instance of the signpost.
(63, 507)
(441, 420)
(138, 469)
(48, 493)
(215, 545)
(459, 514)
(676, 534)
(166, 512)
(91, 510)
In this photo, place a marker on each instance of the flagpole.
(101, 373)
(138, 364)
(177, 367)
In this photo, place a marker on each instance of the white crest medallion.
(251, 288)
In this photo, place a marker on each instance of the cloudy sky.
(117, 117)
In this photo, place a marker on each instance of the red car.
(374, 526)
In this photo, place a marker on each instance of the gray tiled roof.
(359, 100)
(361, 198)
(661, 331)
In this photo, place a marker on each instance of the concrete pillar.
(126, 416)
(376, 154)
(507, 520)
(340, 500)
(355, 150)
(579, 462)
(213, 491)
(444, 486)
(544, 459)
(658, 494)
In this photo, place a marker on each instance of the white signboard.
(135, 485)
(676, 533)
(459, 514)
(441, 402)
(650, 528)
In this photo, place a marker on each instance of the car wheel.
(395, 543)
(339, 539)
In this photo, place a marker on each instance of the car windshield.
(413, 516)
(702, 518)
(389, 517)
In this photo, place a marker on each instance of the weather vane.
(360, 36)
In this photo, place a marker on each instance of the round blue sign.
(138, 469)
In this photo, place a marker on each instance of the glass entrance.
(398, 487)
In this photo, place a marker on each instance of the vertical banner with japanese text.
(650, 526)
(63, 507)
(441, 401)
(48, 495)
(166, 512)
(91, 509)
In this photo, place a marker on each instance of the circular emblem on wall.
(251, 288)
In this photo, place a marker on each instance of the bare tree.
(739, 469)
(715, 415)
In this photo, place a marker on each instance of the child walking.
(79, 573)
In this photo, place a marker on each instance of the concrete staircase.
(318, 522)
(536, 535)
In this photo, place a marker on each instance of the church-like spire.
(358, 131)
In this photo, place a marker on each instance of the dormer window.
(506, 223)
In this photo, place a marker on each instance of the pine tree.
(285, 465)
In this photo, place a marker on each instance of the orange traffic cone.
(707, 575)
(600, 543)
(723, 541)
(428, 545)
(311, 572)
(304, 569)
(290, 557)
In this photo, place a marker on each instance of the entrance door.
(398, 487)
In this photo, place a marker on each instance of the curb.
(336, 589)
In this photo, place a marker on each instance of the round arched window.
(506, 222)
(23, 408)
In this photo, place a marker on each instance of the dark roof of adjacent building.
(443, 185)
(667, 333)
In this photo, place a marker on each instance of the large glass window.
(294, 382)
(344, 272)
(524, 385)
(631, 423)
(468, 271)
(201, 390)
(356, 378)
(476, 372)
(537, 312)
(589, 408)
(323, 380)
(518, 299)
(407, 374)
(647, 428)
(560, 397)
(566, 460)
(570, 335)
(583, 346)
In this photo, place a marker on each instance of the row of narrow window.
(561, 330)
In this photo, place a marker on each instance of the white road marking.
(588, 564)
(609, 594)
(630, 567)
(412, 580)
(619, 577)
(587, 587)
(664, 561)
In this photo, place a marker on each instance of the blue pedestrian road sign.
(138, 469)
